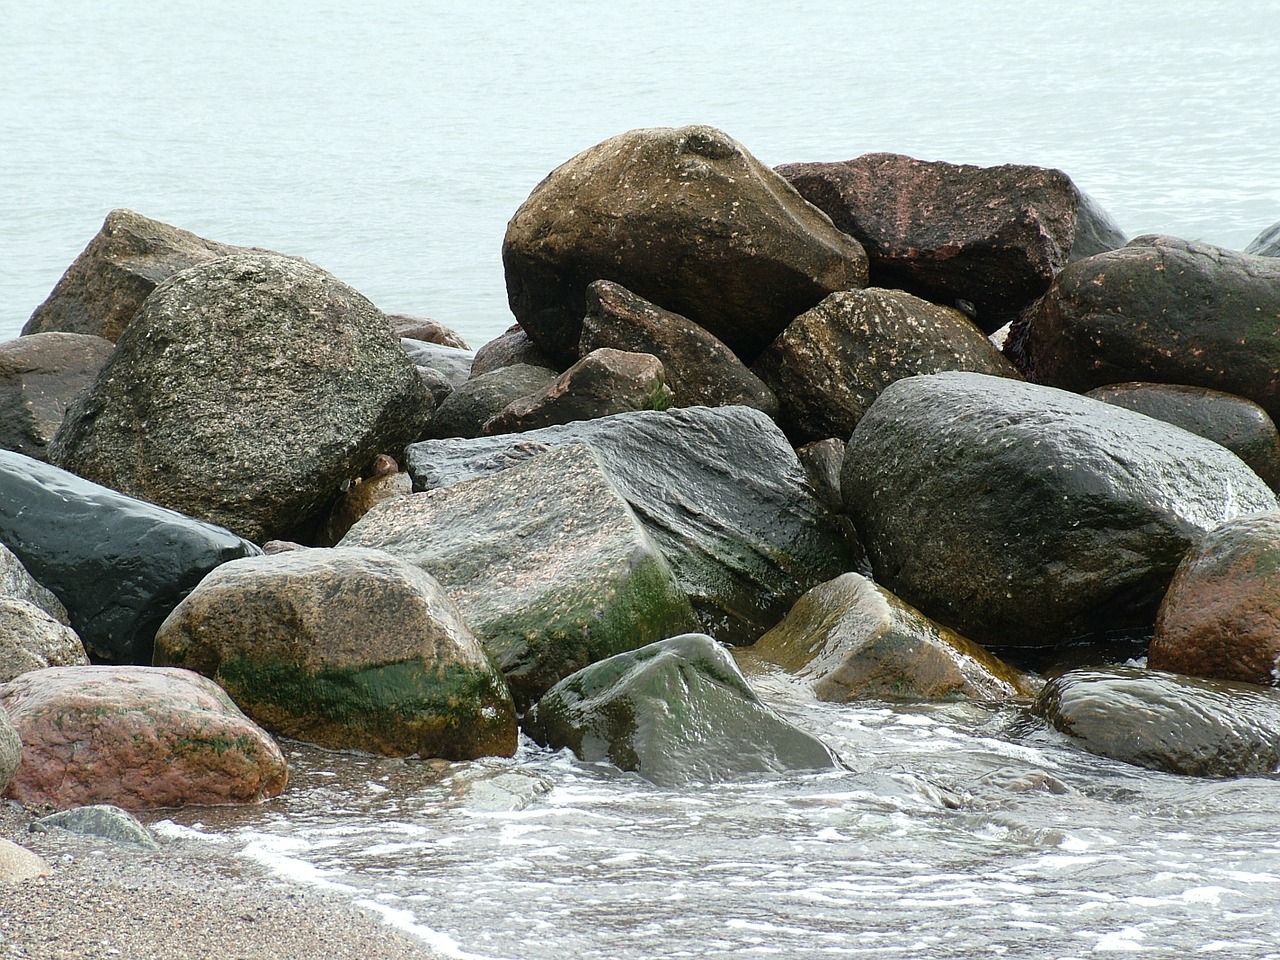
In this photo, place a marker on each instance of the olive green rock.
(1163, 721)
(546, 561)
(676, 712)
(850, 639)
(351, 649)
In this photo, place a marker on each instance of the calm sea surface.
(390, 143)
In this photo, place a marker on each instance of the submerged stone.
(100, 820)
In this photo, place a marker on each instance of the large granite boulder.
(104, 287)
(686, 218)
(30, 639)
(993, 237)
(601, 384)
(850, 639)
(1238, 424)
(676, 712)
(476, 401)
(244, 392)
(719, 489)
(831, 362)
(10, 750)
(40, 376)
(1162, 721)
(1022, 515)
(1221, 616)
(513, 346)
(700, 370)
(136, 737)
(1164, 310)
(546, 561)
(119, 565)
(1265, 244)
(350, 649)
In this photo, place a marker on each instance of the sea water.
(390, 143)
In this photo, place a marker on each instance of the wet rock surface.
(245, 391)
(100, 820)
(40, 375)
(676, 712)
(546, 561)
(1265, 244)
(718, 488)
(994, 237)
(1162, 721)
(1020, 515)
(118, 564)
(135, 737)
(513, 346)
(685, 218)
(831, 362)
(478, 400)
(345, 648)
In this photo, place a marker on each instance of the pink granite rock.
(136, 737)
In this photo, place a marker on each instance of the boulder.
(1265, 244)
(677, 712)
(849, 639)
(10, 750)
(1164, 310)
(1221, 616)
(135, 737)
(453, 363)
(426, 330)
(30, 639)
(1161, 721)
(349, 649)
(39, 377)
(831, 362)
(18, 864)
(514, 346)
(244, 392)
(17, 583)
(118, 564)
(718, 488)
(382, 481)
(547, 563)
(1021, 515)
(700, 370)
(1238, 424)
(602, 383)
(822, 460)
(100, 820)
(993, 237)
(475, 402)
(104, 287)
(685, 218)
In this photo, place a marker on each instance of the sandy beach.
(106, 900)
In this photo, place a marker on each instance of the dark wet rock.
(849, 639)
(382, 481)
(100, 820)
(135, 737)
(1265, 244)
(40, 375)
(831, 362)
(452, 363)
(10, 750)
(425, 330)
(244, 392)
(514, 346)
(701, 371)
(993, 237)
(718, 488)
(547, 563)
(1021, 515)
(677, 712)
(1221, 616)
(349, 649)
(17, 583)
(685, 218)
(30, 639)
(822, 460)
(18, 864)
(119, 565)
(1238, 424)
(603, 383)
(104, 287)
(477, 401)
(1163, 310)
(1162, 721)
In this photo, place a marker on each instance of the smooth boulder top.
(1265, 244)
(1021, 515)
(685, 218)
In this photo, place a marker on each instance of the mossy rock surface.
(676, 712)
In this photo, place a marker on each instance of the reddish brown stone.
(136, 737)
(426, 330)
(40, 375)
